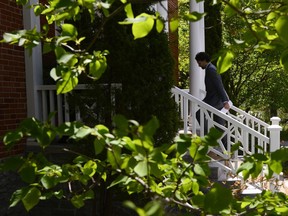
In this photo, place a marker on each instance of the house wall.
(12, 75)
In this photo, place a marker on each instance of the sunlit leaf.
(67, 83)
(225, 61)
(89, 168)
(48, 181)
(31, 198)
(69, 30)
(281, 27)
(173, 24)
(284, 59)
(194, 16)
(120, 179)
(199, 170)
(142, 29)
(159, 25)
(141, 168)
(276, 166)
(129, 11)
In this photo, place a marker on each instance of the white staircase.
(254, 135)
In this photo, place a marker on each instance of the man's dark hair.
(201, 56)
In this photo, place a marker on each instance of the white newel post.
(274, 130)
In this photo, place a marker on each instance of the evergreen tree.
(143, 68)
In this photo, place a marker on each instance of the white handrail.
(51, 102)
(237, 129)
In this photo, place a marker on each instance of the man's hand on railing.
(227, 106)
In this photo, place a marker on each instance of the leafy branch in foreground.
(126, 158)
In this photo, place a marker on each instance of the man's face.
(202, 64)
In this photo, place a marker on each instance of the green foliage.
(145, 75)
(132, 162)
(127, 157)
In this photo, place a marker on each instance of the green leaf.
(212, 137)
(225, 61)
(276, 166)
(67, 83)
(281, 27)
(98, 65)
(199, 170)
(260, 157)
(141, 168)
(77, 201)
(59, 51)
(280, 154)
(31, 198)
(235, 147)
(284, 59)
(99, 145)
(159, 25)
(89, 168)
(83, 132)
(113, 156)
(120, 179)
(48, 181)
(65, 58)
(153, 208)
(195, 187)
(151, 127)
(142, 28)
(217, 199)
(17, 196)
(183, 143)
(12, 137)
(81, 159)
(173, 24)
(194, 16)
(129, 11)
(69, 30)
(230, 11)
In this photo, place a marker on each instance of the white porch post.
(274, 130)
(33, 63)
(162, 8)
(197, 44)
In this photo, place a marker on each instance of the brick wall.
(12, 75)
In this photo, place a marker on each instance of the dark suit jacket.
(215, 92)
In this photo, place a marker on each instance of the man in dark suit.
(216, 95)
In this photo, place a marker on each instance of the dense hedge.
(144, 68)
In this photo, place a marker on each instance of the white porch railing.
(253, 134)
(240, 126)
(50, 102)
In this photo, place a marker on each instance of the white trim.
(33, 63)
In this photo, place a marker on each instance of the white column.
(274, 130)
(197, 44)
(33, 63)
(162, 8)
